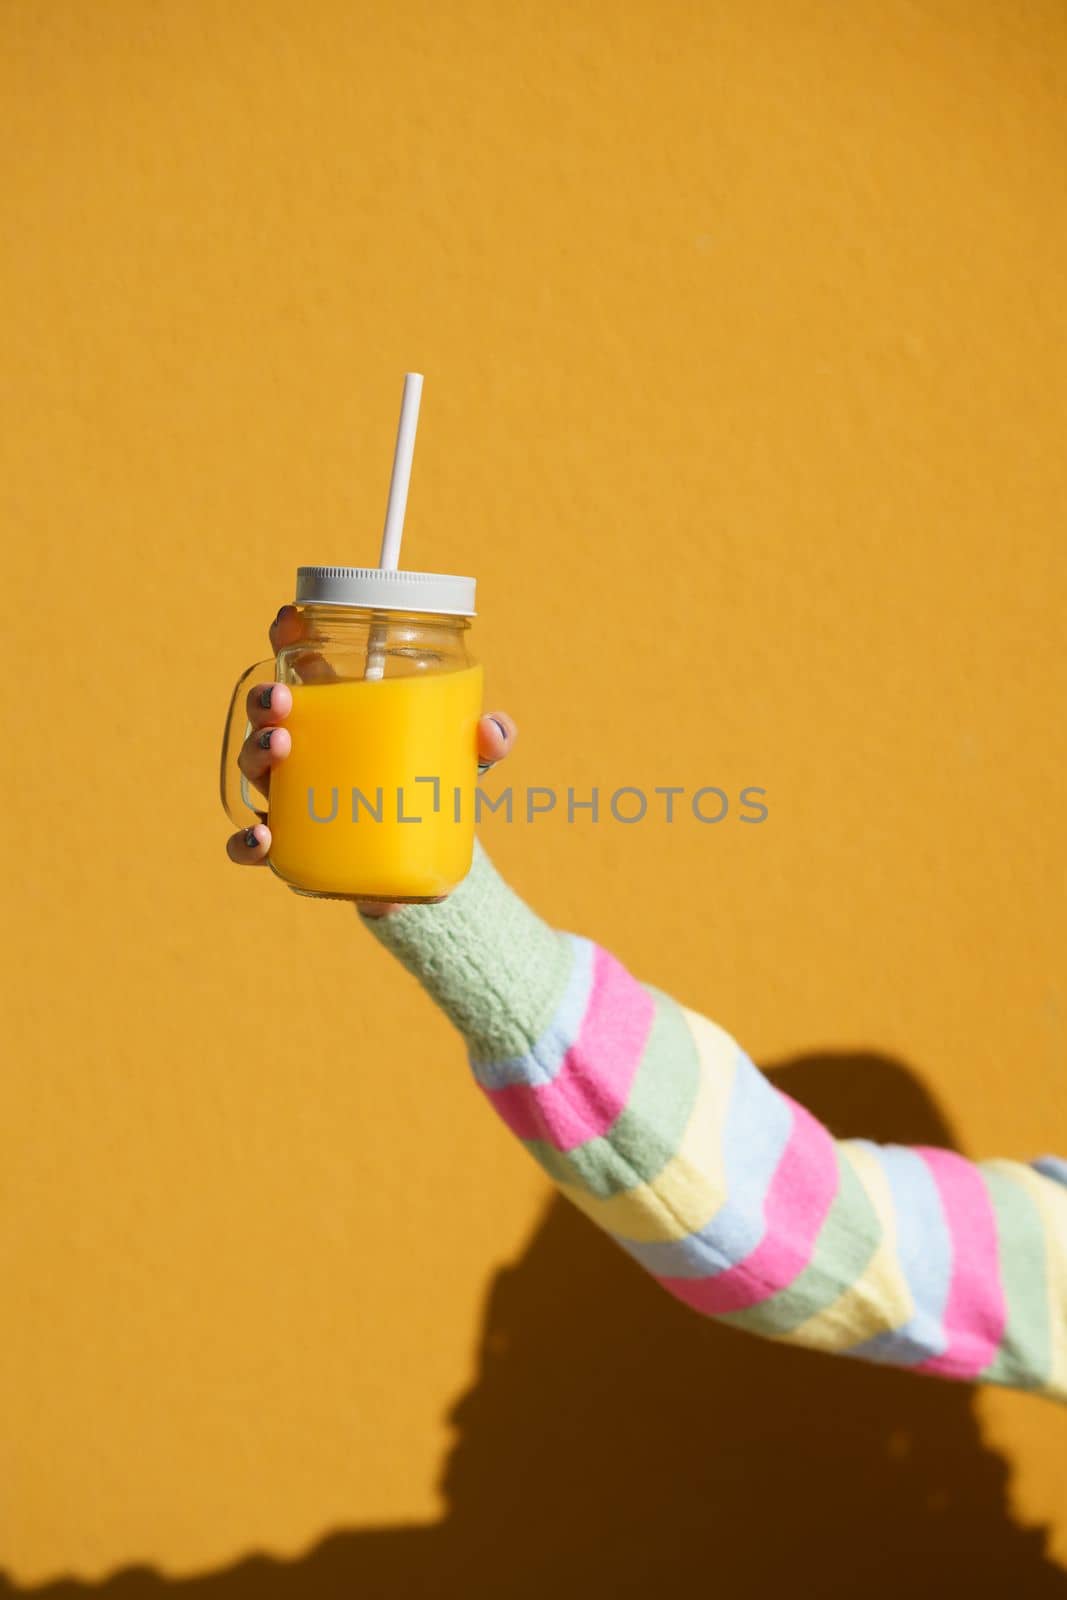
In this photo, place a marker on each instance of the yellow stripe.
(1050, 1197)
(880, 1299)
(686, 1194)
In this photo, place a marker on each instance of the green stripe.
(492, 965)
(1025, 1354)
(649, 1129)
(848, 1238)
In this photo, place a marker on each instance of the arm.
(654, 1122)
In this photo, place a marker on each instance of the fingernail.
(264, 698)
(250, 838)
(500, 725)
(281, 609)
(264, 739)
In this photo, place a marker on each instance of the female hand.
(269, 743)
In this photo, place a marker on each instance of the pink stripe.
(975, 1311)
(593, 1082)
(799, 1196)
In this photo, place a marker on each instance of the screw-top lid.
(382, 589)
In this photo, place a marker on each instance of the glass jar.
(375, 800)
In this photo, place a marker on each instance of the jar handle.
(235, 791)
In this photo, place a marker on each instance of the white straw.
(398, 487)
(393, 532)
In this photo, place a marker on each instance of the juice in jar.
(347, 816)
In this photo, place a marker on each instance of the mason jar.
(376, 798)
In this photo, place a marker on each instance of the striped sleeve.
(653, 1121)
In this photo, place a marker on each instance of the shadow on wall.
(616, 1444)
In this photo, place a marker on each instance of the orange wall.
(743, 330)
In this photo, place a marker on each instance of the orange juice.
(376, 797)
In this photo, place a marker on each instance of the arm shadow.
(614, 1443)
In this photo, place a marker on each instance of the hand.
(269, 742)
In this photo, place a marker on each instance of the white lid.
(384, 589)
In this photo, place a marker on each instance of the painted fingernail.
(264, 697)
(281, 612)
(500, 725)
(264, 739)
(250, 838)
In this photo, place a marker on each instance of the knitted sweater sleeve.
(654, 1122)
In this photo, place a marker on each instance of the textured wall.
(743, 330)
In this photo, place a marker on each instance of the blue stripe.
(542, 1063)
(757, 1129)
(924, 1251)
(1052, 1167)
